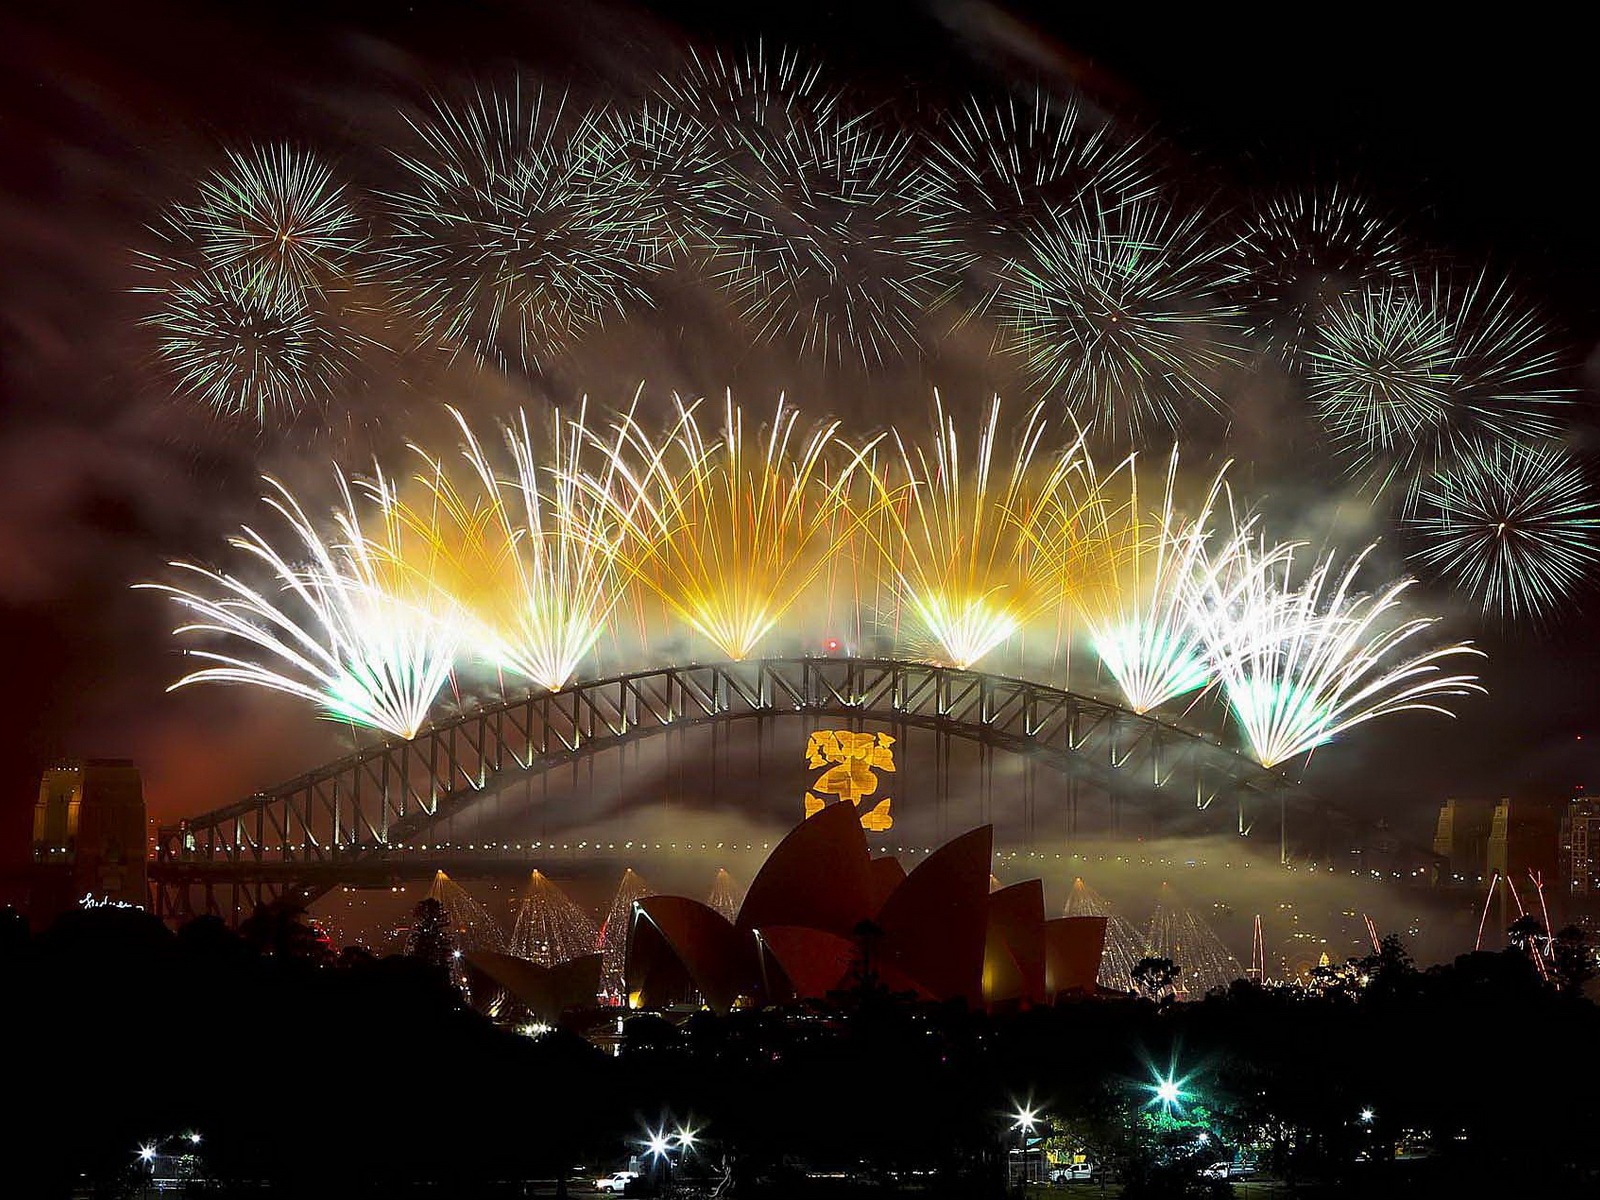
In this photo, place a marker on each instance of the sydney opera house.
(823, 915)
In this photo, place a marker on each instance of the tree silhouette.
(1572, 961)
(1156, 978)
(430, 939)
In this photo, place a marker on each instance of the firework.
(613, 937)
(1124, 945)
(734, 94)
(667, 173)
(1300, 665)
(248, 352)
(472, 926)
(1006, 161)
(1178, 933)
(1516, 526)
(526, 561)
(276, 220)
(550, 928)
(728, 531)
(346, 630)
(500, 239)
(978, 551)
(726, 895)
(1139, 620)
(845, 240)
(1119, 311)
(1406, 379)
(1301, 252)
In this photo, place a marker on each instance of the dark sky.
(1479, 137)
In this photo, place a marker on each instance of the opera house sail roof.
(823, 915)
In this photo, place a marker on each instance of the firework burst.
(347, 630)
(727, 530)
(1300, 253)
(979, 550)
(667, 174)
(1300, 665)
(846, 238)
(248, 352)
(1516, 526)
(278, 221)
(1407, 379)
(1120, 312)
(500, 239)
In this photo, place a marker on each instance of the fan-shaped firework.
(550, 928)
(526, 562)
(1516, 526)
(1408, 378)
(1301, 665)
(347, 631)
(1203, 960)
(501, 241)
(729, 532)
(243, 351)
(1138, 613)
(1124, 945)
(1120, 313)
(278, 220)
(1006, 160)
(1301, 252)
(845, 239)
(979, 550)
(615, 929)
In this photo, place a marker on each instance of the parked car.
(1217, 1170)
(1071, 1171)
(616, 1183)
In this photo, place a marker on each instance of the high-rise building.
(89, 833)
(1580, 848)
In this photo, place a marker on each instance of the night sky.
(1479, 139)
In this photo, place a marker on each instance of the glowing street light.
(1367, 1115)
(147, 1154)
(1168, 1092)
(194, 1138)
(1026, 1119)
(686, 1139)
(657, 1144)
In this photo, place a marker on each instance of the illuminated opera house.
(822, 915)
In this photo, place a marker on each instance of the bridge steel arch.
(343, 822)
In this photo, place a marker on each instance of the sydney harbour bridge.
(372, 817)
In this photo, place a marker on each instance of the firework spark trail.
(1300, 253)
(1516, 526)
(1120, 311)
(527, 561)
(972, 564)
(472, 926)
(347, 632)
(1140, 617)
(500, 240)
(1300, 665)
(279, 219)
(728, 531)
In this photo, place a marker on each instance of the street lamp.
(1026, 1119)
(1167, 1091)
(1367, 1115)
(686, 1140)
